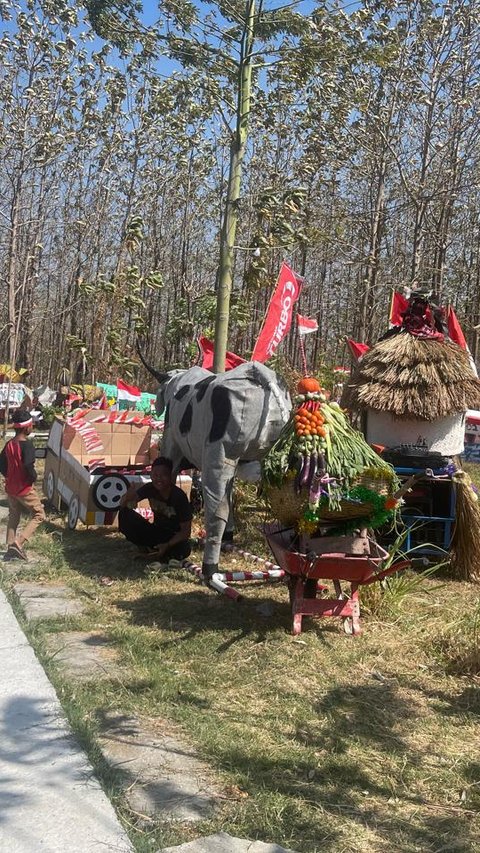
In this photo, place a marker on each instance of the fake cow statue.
(214, 421)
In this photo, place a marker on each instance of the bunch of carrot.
(309, 420)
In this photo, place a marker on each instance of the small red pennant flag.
(306, 325)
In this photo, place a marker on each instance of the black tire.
(109, 490)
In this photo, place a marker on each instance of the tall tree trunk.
(12, 269)
(237, 154)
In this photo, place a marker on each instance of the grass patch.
(322, 742)
(459, 643)
(474, 471)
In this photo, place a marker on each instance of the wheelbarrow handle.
(423, 475)
(399, 566)
(407, 485)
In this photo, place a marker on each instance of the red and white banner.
(207, 349)
(278, 319)
(306, 325)
(128, 392)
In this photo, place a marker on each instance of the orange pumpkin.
(308, 385)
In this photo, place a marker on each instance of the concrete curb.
(50, 800)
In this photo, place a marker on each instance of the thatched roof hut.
(413, 389)
(412, 377)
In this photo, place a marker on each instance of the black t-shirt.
(171, 513)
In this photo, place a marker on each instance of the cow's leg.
(227, 537)
(217, 485)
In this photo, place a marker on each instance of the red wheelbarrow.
(356, 560)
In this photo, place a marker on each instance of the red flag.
(398, 306)
(278, 319)
(206, 346)
(306, 325)
(454, 329)
(357, 349)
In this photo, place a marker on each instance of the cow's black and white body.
(213, 421)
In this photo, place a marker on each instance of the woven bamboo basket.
(288, 507)
(382, 484)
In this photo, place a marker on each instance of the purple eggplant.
(313, 468)
(321, 465)
(306, 471)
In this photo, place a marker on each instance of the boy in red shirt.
(17, 464)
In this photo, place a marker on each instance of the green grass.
(320, 743)
(474, 471)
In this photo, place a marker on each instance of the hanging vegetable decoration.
(320, 468)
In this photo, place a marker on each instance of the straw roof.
(414, 378)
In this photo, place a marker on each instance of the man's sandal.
(16, 552)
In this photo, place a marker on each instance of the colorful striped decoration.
(215, 581)
(272, 574)
(91, 440)
(200, 542)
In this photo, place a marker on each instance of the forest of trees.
(361, 167)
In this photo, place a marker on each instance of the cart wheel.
(50, 487)
(109, 490)
(73, 513)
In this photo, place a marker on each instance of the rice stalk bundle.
(465, 546)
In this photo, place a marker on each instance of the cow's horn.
(156, 373)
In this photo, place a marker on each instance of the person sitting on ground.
(17, 464)
(168, 537)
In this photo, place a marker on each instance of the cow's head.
(160, 403)
(163, 379)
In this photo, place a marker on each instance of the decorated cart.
(355, 560)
